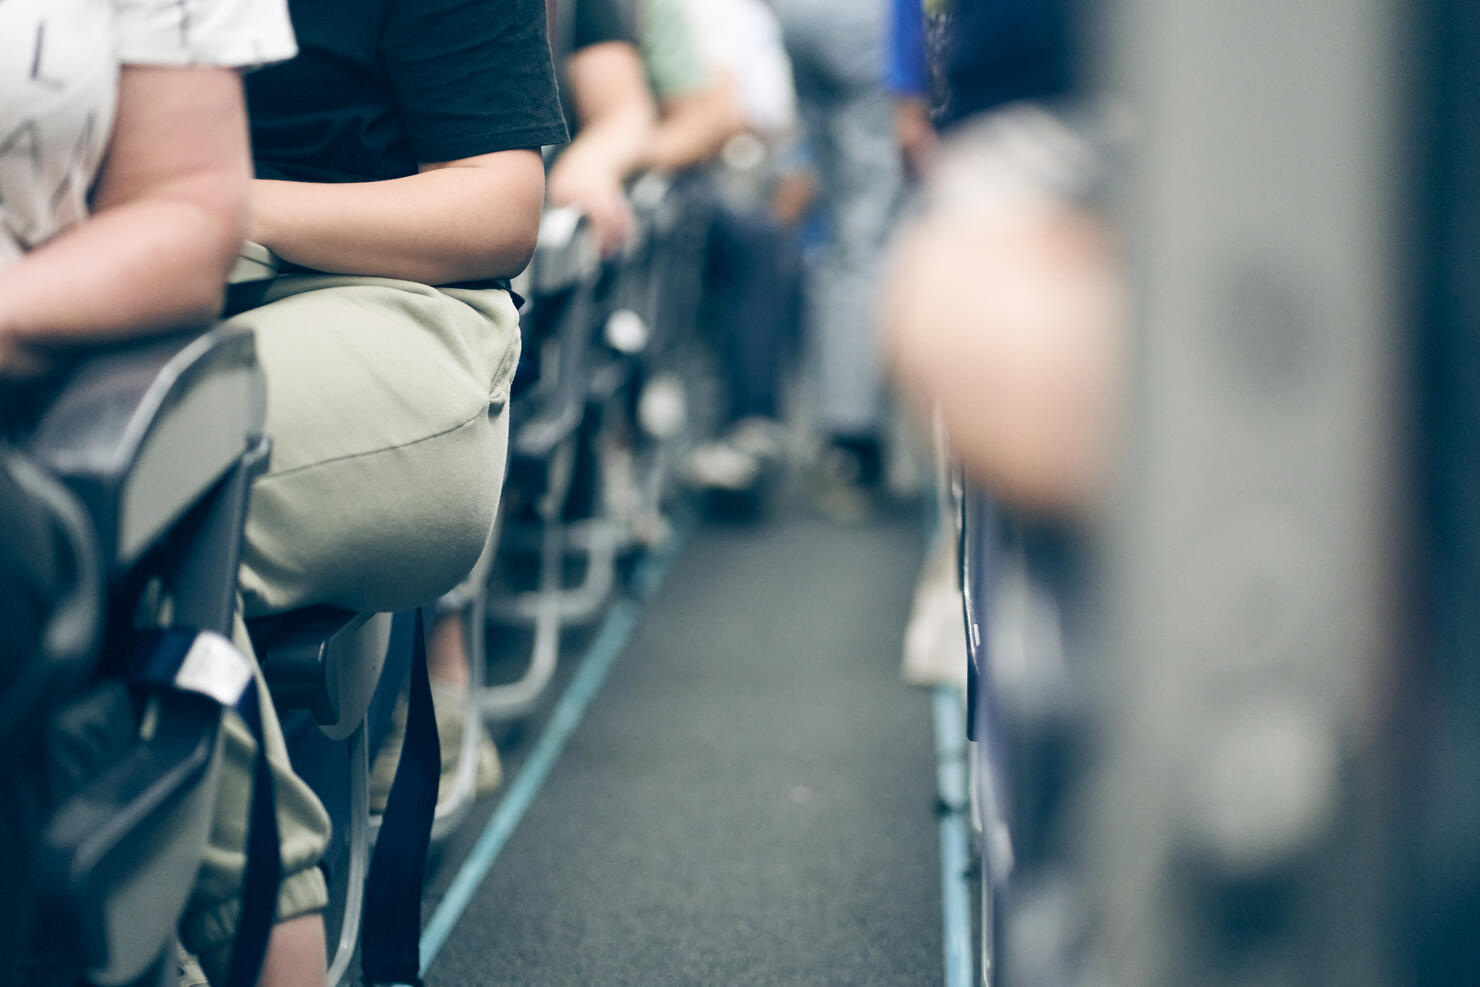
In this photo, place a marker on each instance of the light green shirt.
(674, 62)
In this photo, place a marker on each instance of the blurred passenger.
(1003, 311)
(915, 78)
(612, 114)
(837, 49)
(754, 260)
(1005, 307)
(399, 152)
(701, 108)
(740, 42)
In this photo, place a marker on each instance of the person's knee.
(383, 497)
(382, 531)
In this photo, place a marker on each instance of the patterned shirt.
(59, 64)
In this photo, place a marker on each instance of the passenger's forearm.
(103, 279)
(694, 129)
(618, 142)
(436, 227)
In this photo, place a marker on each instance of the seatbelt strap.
(966, 535)
(390, 940)
(208, 664)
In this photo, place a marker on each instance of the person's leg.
(385, 406)
(862, 182)
(295, 945)
(745, 257)
(449, 667)
(447, 653)
(209, 926)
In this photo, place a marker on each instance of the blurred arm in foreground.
(1005, 310)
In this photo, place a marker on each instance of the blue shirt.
(907, 73)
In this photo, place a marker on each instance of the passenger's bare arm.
(463, 220)
(1005, 311)
(170, 211)
(616, 115)
(696, 126)
(615, 110)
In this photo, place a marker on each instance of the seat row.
(145, 459)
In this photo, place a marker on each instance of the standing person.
(837, 49)
(908, 79)
(399, 179)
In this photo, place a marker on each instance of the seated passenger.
(124, 178)
(754, 260)
(123, 166)
(613, 113)
(701, 109)
(399, 152)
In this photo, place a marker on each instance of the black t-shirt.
(599, 21)
(380, 86)
(592, 22)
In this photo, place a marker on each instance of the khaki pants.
(386, 409)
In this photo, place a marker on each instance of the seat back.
(157, 442)
(141, 434)
(118, 858)
(69, 633)
(562, 280)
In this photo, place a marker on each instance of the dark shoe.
(838, 489)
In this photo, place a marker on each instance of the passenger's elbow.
(519, 225)
(496, 213)
(198, 294)
(221, 225)
(206, 306)
(523, 250)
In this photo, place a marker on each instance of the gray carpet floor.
(750, 799)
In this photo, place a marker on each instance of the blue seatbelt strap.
(208, 664)
(390, 941)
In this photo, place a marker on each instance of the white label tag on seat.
(215, 668)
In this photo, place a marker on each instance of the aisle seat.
(328, 662)
(157, 442)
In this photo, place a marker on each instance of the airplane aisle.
(750, 798)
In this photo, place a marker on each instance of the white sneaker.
(187, 969)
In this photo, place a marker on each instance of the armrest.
(140, 433)
(565, 254)
(254, 263)
(119, 857)
(324, 660)
(255, 269)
